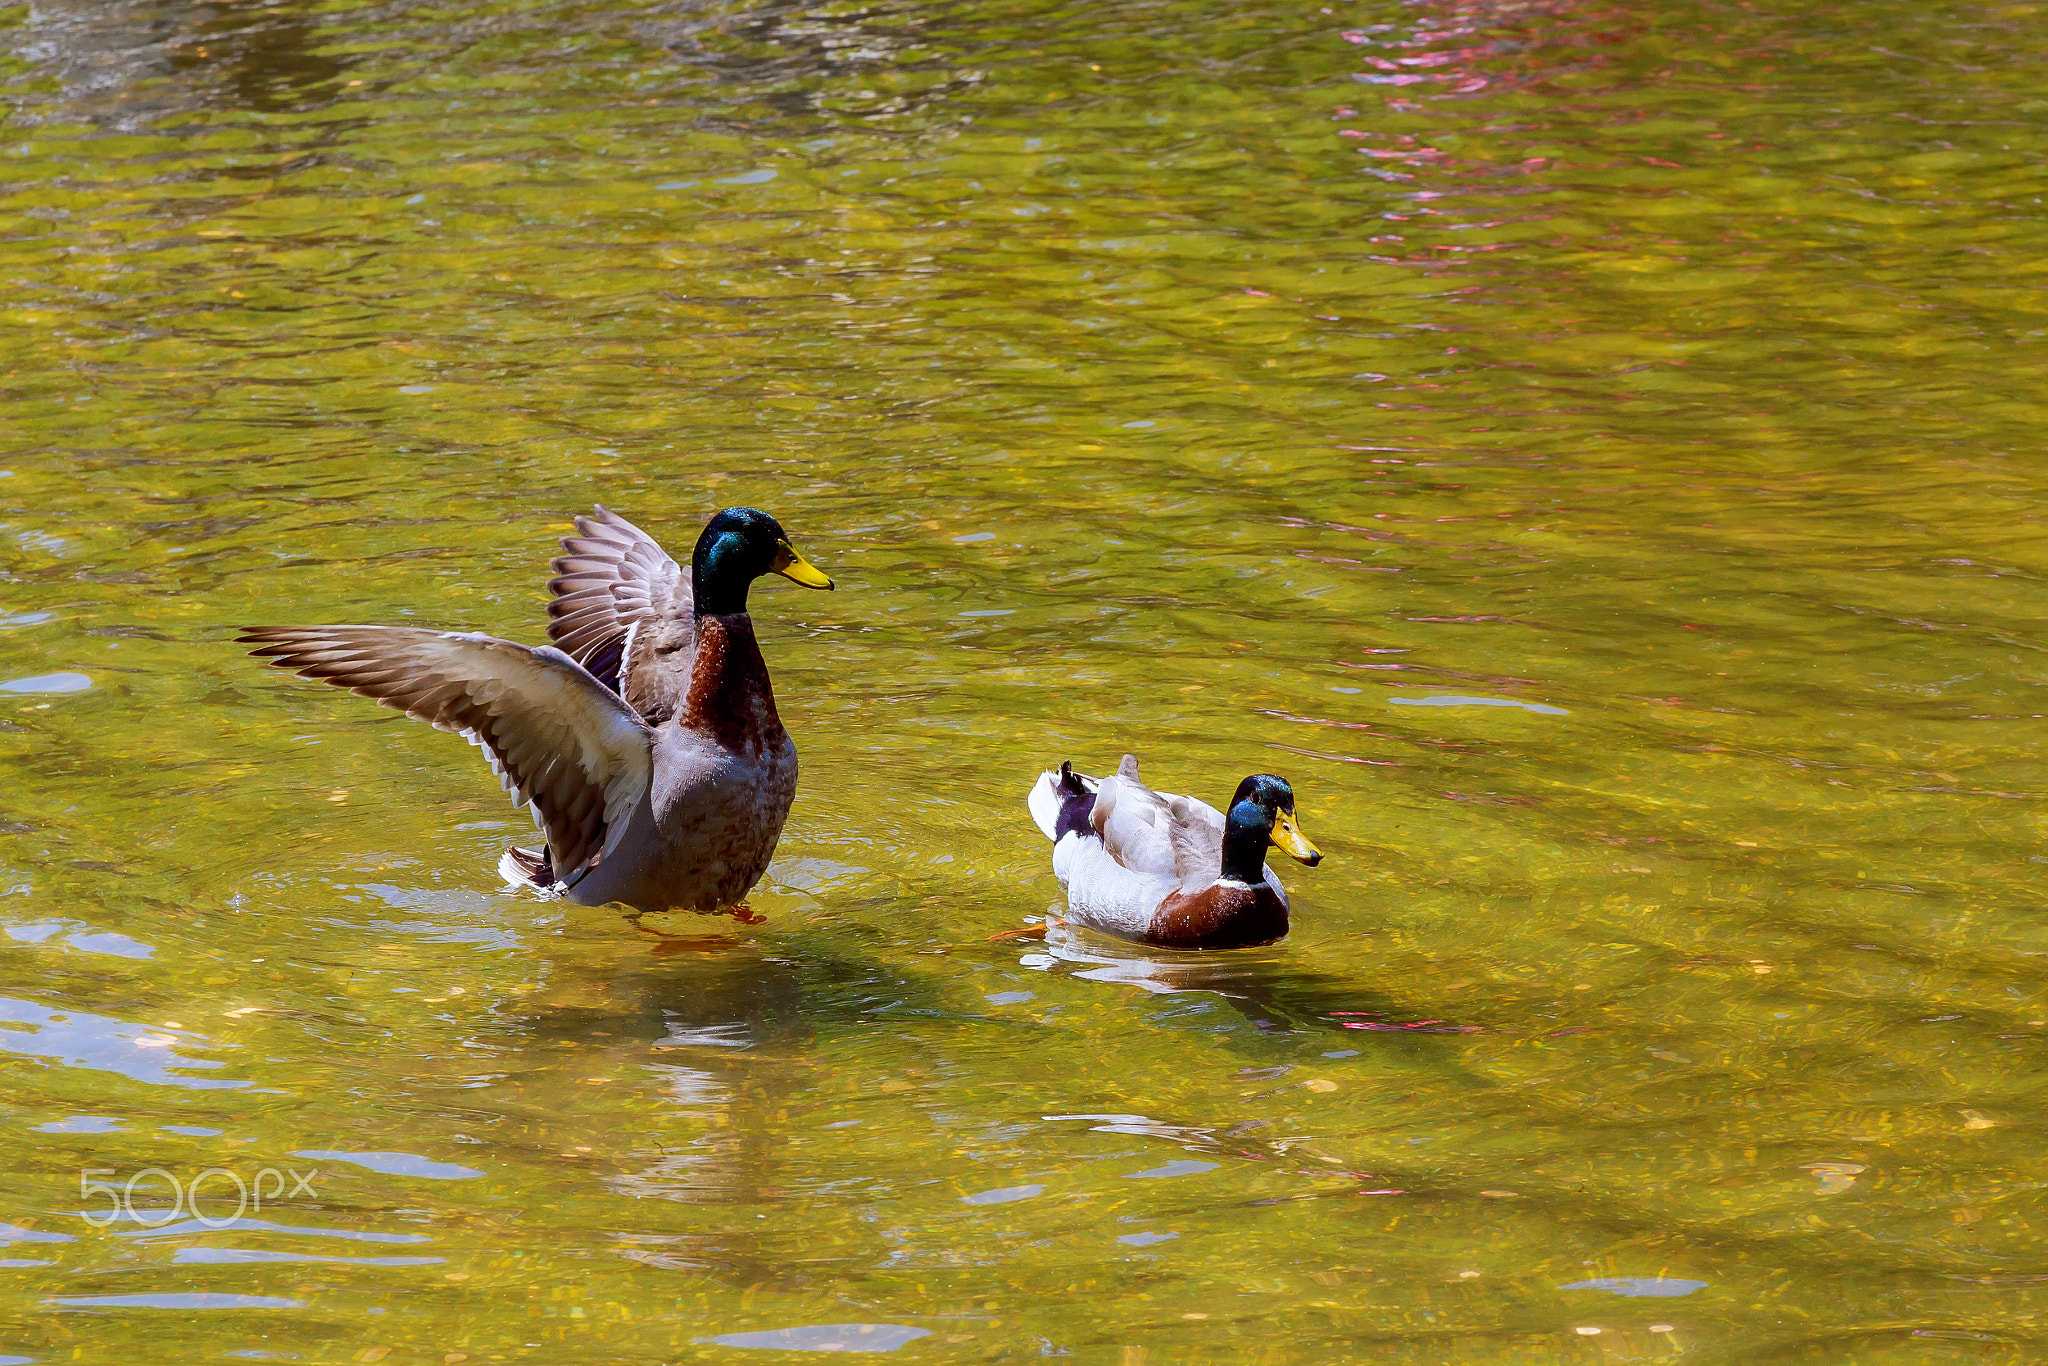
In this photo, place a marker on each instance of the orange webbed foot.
(1026, 933)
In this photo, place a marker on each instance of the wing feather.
(1134, 822)
(1197, 834)
(619, 603)
(557, 738)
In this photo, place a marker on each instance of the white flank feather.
(1044, 801)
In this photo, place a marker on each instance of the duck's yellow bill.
(1288, 836)
(797, 569)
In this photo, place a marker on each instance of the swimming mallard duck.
(1166, 870)
(648, 744)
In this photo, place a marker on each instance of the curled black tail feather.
(1077, 806)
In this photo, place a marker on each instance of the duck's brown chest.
(1220, 916)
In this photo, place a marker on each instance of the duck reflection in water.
(1265, 987)
(713, 1033)
(716, 1038)
(129, 63)
(717, 1033)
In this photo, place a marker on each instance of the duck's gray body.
(708, 826)
(647, 744)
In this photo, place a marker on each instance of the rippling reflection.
(131, 62)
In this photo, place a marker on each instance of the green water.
(1203, 381)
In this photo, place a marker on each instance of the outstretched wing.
(619, 598)
(555, 736)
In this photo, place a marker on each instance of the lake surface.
(1593, 450)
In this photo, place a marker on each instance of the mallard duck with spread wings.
(1168, 870)
(645, 738)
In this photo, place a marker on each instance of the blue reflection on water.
(394, 1164)
(234, 1256)
(176, 1300)
(14, 1233)
(1180, 1167)
(82, 937)
(63, 682)
(1652, 1287)
(1147, 1239)
(1457, 701)
(248, 1224)
(826, 1337)
(79, 1039)
(81, 1124)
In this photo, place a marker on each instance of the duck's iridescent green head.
(738, 546)
(1262, 814)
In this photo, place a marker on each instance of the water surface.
(1591, 449)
